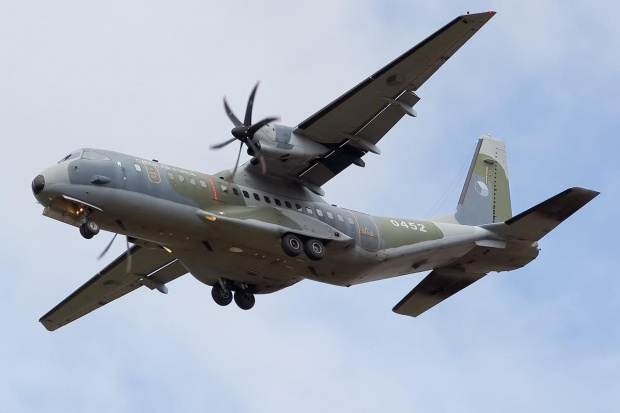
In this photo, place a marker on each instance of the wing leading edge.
(353, 124)
(152, 267)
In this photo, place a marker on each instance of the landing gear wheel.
(254, 161)
(221, 296)
(291, 244)
(314, 249)
(85, 234)
(89, 229)
(244, 299)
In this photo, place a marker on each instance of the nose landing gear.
(89, 229)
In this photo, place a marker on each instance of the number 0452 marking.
(409, 225)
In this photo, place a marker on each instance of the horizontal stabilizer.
(440, 284)
(538, 221)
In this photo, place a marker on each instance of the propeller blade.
(254, 128)
(107, 248)
(248, 110)
(221, 145)
(128, 269)
(230, 114)
(236, 163)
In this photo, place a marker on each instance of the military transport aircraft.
(264, 226)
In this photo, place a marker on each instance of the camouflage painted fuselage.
(218, 228)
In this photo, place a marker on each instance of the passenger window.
(135, 165)
(181, 178)
(170, 176)
(330, 215)
(277, 201)
(298, 207)
(309, 210)
(288, 204)
(203, 183)
(319, 212)
(350, 220)
(224, 188)
(235, 191)
(267, 199)
(256, 196)
(245, 194)
(192, 181)
(340, 218)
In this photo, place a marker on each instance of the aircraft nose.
(38, 184)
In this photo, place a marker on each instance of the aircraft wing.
(152, 267)
(440, 284)
(352, 125)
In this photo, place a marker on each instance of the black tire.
(314, 249)
(90, 228)
(292, 245)
(84, 232)
(244, 300)
(221, 296)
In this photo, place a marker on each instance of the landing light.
(168, 250)
(211, 218)
(235, 249)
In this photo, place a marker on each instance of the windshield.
(94, 156)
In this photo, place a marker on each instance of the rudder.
(486, 194)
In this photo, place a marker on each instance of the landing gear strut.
(89, 229)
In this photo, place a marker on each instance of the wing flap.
(440, 284)
(113, 282)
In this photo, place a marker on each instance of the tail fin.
(486, 194)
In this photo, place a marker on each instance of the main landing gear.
(293, 246)
(222, 294)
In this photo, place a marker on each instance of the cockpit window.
(95, 156)
(72, 155)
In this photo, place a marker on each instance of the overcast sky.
(147, 78)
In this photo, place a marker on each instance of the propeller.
(244, 132)
(128, 268)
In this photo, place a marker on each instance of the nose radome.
(38, 184)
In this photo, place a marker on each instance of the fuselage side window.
(181, 178)
(138, 168)
(267, 199)
(350, 220)
(256, 196)
(245, 194)
(298, 207)
(330, 215)
(309, 210)
(277, 201)
(235, 191)
(224, 188)
(203, 183)
(192, 181)
(288, 204)
(170, 176)
(319, 212)
(340, 218)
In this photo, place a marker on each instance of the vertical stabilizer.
(486, 194)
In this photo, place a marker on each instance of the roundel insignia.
(482, 188)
